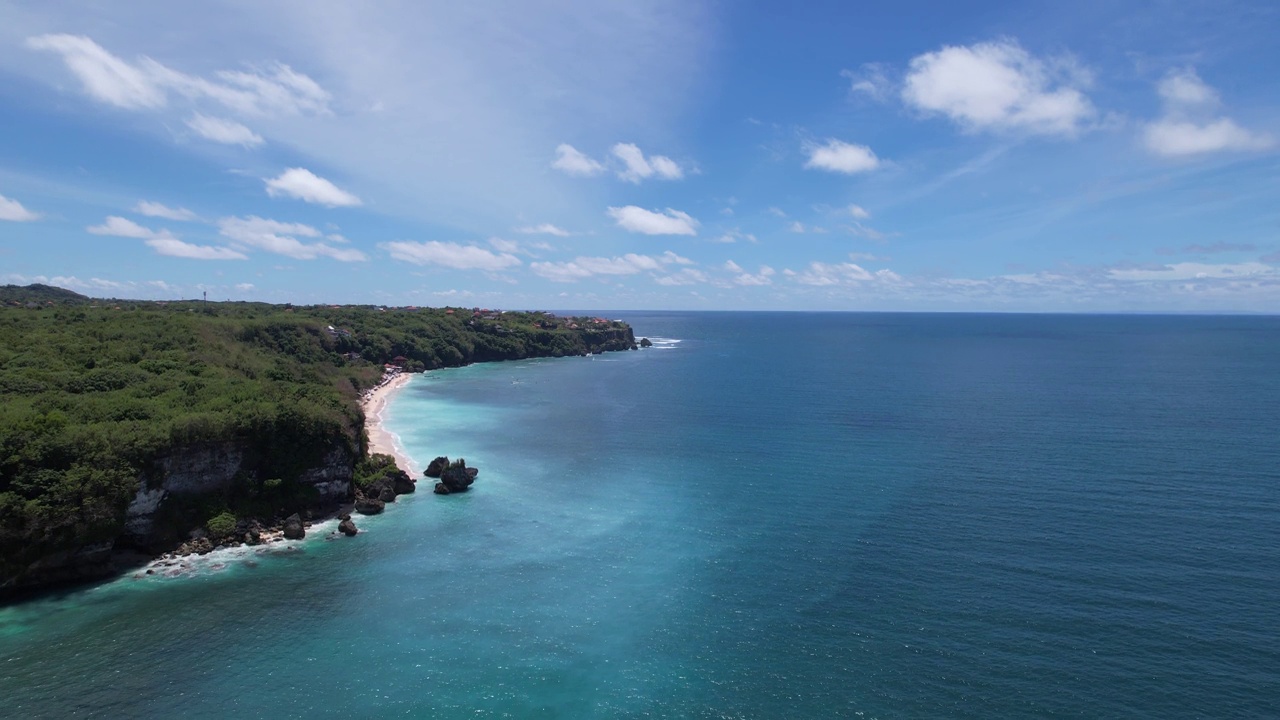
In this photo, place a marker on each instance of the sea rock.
(387, 493)
(456, 478)
(369, 506)
(644, 342)
(293, 529)
(437, 466)
(402, 483)
(347, 527)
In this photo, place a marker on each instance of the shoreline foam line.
(382, 440)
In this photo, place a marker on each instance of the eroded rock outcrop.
(456, 478)
(293, 529)
(347, 527)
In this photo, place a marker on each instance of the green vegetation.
(96, 393)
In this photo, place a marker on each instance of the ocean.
(766, 515)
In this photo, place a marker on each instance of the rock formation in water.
(456, 477)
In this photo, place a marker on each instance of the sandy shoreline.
(382, 440)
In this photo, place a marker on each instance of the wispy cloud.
(543, 229)
(148, 84)
(281, 238)
(450, 255)
(582, 267)
(220, 130)
(159, 210)
(163, 241)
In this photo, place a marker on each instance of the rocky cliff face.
(215, 468)
(184, 474)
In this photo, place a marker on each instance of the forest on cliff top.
(94, 391)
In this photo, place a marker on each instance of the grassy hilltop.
(96, 392)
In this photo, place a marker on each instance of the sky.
(655, 154)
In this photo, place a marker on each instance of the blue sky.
(1022, 156)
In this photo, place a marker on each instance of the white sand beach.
(382, 440)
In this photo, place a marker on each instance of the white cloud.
(13, 211)
(826, 274)
(123, 227)
(870, 80)
(506, 246)
(162, 241)
(228, 132)
(733, 236)
(146, 84)
(1188, 126)
(584, 267)
(796, 227)
(281, 238)
(998, 86)
(686, 276)
(450, 255)
(244, 287)
(173, 247)
(841, 157)
(570, 161)
(859, 212)
(638, 167)
(1194, 271)
(305, 185)
(1174, 138)
(543, 229)
(652, 222)
(777, 212)
(104, 76)
(155, 209)
(732, 266)
(1184, 88)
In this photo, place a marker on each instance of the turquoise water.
(779, 515)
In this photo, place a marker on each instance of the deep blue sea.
(765, 516)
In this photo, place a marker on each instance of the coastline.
(382, 440)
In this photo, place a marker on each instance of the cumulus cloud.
(163, 241)
(570, 161)
(159, 210)
(227, 132)
(859, 212)
(796, 227)
(305, 185)
(842, 157)
(13, 211)
(543, 229)
(450, 255)
(1190, 124)
(148, 84)
(637, 167)
(585, 267)
(653, 222)
(244, 287)
(281, 238)
(998, 86)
